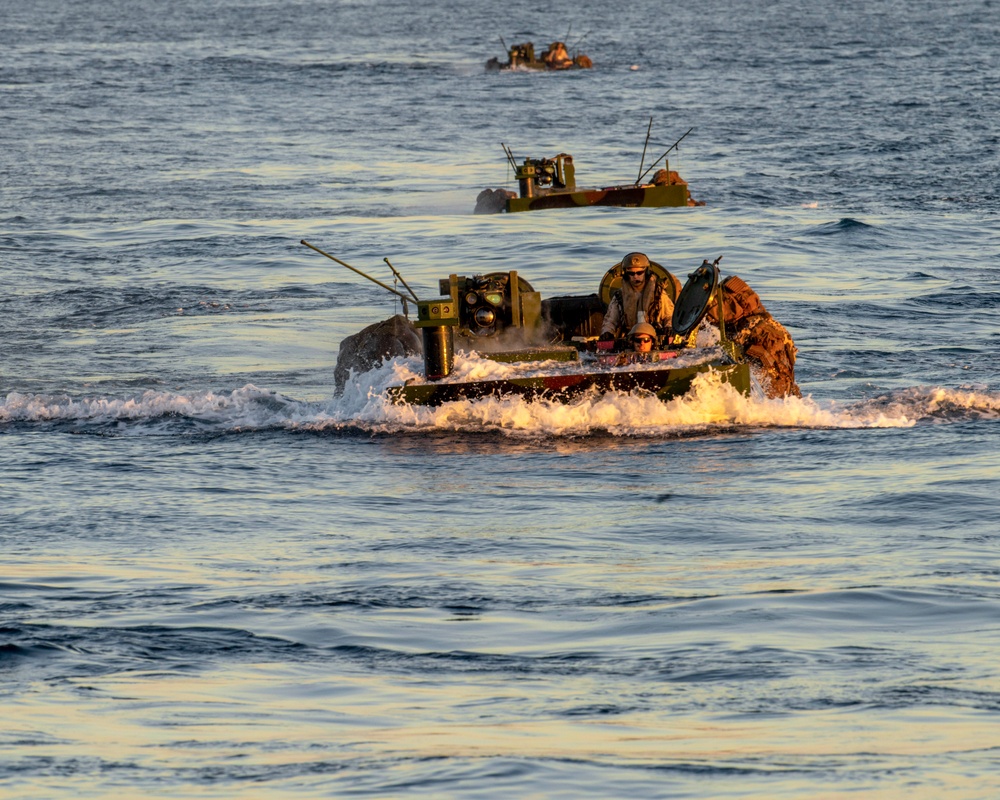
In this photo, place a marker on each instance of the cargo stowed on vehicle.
(550, 349)
(545, 183)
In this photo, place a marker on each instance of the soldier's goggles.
(635, 273)
(642, 339)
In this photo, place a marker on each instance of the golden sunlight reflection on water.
(275, 715)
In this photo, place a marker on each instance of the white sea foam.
(710, 406)
(248, 406)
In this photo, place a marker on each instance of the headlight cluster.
(482, 310)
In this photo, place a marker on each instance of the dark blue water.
(220, 580)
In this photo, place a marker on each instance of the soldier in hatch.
(642, 337)
(641, 294)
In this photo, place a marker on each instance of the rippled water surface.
(219, 579)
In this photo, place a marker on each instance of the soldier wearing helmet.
(642, 337)
(642, 340)
(641, 298)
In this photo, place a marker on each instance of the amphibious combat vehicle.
(551, 183)
(516, 344)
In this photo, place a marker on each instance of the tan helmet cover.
(635, 261)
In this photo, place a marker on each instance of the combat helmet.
(640, 328)
(635, 261)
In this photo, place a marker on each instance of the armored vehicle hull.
(645, 196)
(561, 385)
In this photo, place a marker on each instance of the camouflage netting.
(492, 201)
(367, 349)
(664, 177)
(764, 340)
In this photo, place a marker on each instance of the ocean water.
(219, 579)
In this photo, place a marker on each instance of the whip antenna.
(644, 146)
(664, 154)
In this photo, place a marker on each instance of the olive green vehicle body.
(648, 196)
